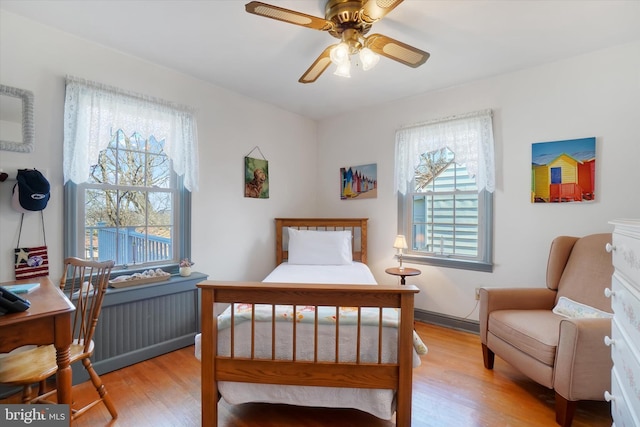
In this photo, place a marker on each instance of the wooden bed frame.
(396, 376)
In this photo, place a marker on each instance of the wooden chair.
(86, 282)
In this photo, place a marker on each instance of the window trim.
(486, 239)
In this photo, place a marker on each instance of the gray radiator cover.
(142, 322)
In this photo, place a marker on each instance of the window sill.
(443, 261)
(174, 285)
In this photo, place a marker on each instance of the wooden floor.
(451, 388)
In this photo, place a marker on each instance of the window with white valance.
(470, 136)
(130, 165)
(93, 112)
(445, 178)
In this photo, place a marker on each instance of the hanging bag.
(34, 261)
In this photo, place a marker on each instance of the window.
(443, 211)
(127, 202)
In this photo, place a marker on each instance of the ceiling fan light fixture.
(349, 21)
(343, 69)
(368, 58)
(340, 54)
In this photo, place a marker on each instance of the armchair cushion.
(533, 332)
(495, 299)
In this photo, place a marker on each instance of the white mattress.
(378, 402)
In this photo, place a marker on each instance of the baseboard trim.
(80, 375)
(446, 321)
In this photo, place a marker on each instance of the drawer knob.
(608, 396)
(609, 247)
(608, 341)
(609, 293)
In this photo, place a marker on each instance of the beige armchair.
(566, 354)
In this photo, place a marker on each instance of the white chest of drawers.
(625, 328)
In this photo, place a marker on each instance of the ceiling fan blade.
(290, 16)
(375, 10)
(398, 51)
(318, 66)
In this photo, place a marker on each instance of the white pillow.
(569, 308)
(319, 247)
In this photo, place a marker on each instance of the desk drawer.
(625, 303)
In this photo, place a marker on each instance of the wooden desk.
(47, 321)
(402, 273)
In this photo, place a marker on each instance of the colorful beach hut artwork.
(563, 171)
(359, 182)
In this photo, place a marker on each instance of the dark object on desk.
(12, 303)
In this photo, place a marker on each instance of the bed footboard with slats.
(394, 375)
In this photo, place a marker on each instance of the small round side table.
(395, 271)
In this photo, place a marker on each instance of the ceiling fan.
(349, 21)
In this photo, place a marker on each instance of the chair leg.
(100, 388)
(42, 387)
(488, 357)
(26, 393)
(565, 409)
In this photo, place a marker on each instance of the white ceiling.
(218, 42)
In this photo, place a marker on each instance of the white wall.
(232, 236)
(591, 95)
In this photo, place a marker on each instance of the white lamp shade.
(343, 69)
(339, 54)
(368, 58)
(400, 242)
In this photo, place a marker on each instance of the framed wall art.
(563, 171)
(256, 176)
(359, 182)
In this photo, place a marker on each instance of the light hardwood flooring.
(450, 388)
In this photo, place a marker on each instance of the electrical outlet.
(477, 294)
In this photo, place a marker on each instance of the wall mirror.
(16, 119)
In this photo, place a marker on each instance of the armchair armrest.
(492, 299)
(517, 298)
(583, 361)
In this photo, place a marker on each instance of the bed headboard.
(357, 226)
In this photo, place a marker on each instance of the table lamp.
(400, 244)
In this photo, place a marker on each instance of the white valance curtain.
(469, 136)
(93, 111)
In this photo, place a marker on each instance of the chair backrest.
(86, 283)
(581, 268)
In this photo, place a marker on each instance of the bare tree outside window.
(129, 200)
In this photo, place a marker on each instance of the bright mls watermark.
(34, 415)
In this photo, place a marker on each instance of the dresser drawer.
(622, 414)
(626, 256)
(626, 364)
(625, 303)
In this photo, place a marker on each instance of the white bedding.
(355, 273)
(378, 402)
